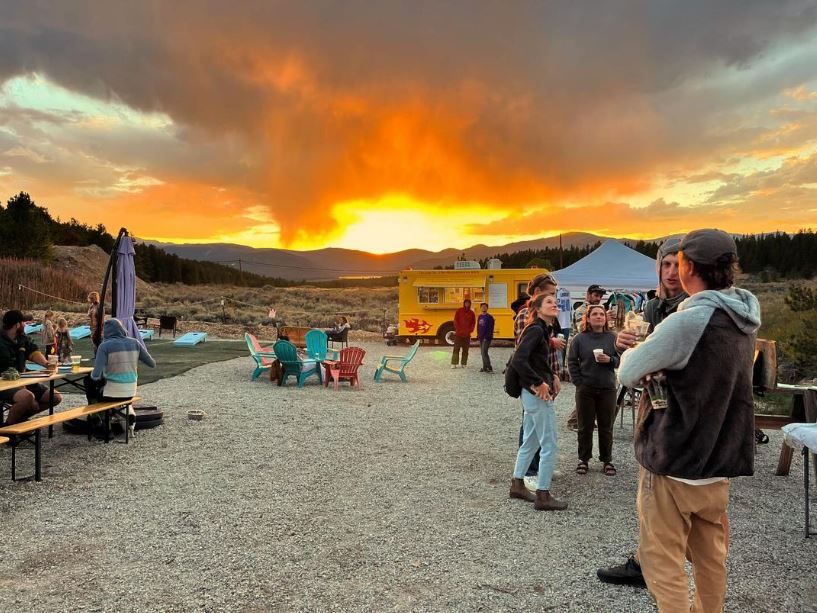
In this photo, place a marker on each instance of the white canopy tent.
(614, 266)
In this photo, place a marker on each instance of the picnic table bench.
(29, 431)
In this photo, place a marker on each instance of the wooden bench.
(24, 431)
(294, 334)
(4, 440)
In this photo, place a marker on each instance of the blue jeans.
(533, 469)
(539, 427)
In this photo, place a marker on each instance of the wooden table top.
(24, 381)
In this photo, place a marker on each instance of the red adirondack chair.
(351, 358)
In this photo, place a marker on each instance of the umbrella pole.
(97, 333)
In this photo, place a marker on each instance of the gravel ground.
(389, 498)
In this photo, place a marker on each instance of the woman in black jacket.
(539, 387)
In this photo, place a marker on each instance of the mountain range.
(331, 263)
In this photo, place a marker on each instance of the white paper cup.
(597, 353)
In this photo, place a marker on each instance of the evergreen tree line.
(769, 256)
(27, 231)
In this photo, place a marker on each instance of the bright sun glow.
(397, 222)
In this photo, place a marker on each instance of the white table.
(803, 436)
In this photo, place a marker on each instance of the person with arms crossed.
(704, 436)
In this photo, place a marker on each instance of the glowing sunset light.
(288, 125)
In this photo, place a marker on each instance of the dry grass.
(366, 308)
(17, 275)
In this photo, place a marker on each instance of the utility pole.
(223, 314)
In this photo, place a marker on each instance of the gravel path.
(393, 498)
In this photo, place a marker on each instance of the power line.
(20, 286)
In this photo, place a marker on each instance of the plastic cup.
(657, 390)
(75, 362)
(597, 353)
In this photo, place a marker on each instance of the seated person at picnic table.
(15, 349)
(114, 376)
(336, 333)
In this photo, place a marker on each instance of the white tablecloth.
(801, 435)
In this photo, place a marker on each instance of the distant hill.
(331, 263)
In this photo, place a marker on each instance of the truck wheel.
(445, 334)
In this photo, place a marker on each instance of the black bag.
(92, 425)
(513, 386)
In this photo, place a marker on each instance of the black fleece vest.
(707, 429)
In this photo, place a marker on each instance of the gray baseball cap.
(707, 245)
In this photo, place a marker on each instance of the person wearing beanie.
(669, 295)
(15, 349)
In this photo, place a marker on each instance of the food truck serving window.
(430, 295)
(450, 295)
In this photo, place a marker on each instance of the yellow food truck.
(429, 298)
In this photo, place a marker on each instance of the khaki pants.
(677, 520)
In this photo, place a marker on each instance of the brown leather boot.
(545, 502)
(518, 490)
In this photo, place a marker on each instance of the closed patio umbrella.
(124, 284)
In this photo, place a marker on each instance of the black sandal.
(761, 437)
(582, 468)
(609, 470)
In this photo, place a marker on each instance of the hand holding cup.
(601, 357)
(626, 339)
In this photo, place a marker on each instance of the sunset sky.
(382, 125)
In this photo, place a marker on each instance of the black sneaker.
(628, 573)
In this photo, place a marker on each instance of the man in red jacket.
(464, 323)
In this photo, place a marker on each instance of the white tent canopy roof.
(614, 266)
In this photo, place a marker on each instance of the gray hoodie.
(706, 349)
(673, 341)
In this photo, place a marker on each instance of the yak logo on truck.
(415, 326)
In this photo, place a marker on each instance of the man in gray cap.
(704, 435)
(669, 295)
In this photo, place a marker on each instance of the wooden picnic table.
(72, 377)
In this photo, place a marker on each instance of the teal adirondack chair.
(317, 345)
(263, 356)
(396, 364)
(294, 365)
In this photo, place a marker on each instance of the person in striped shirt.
(115, 366)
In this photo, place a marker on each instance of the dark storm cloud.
(310, 103)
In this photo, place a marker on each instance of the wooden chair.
(317, 346)
(396, 364)
(294, 365)
(351, 359)
(263, 356)
(167, 322)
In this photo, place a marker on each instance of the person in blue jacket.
(485, 334)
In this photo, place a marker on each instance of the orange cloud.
(264, 124)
